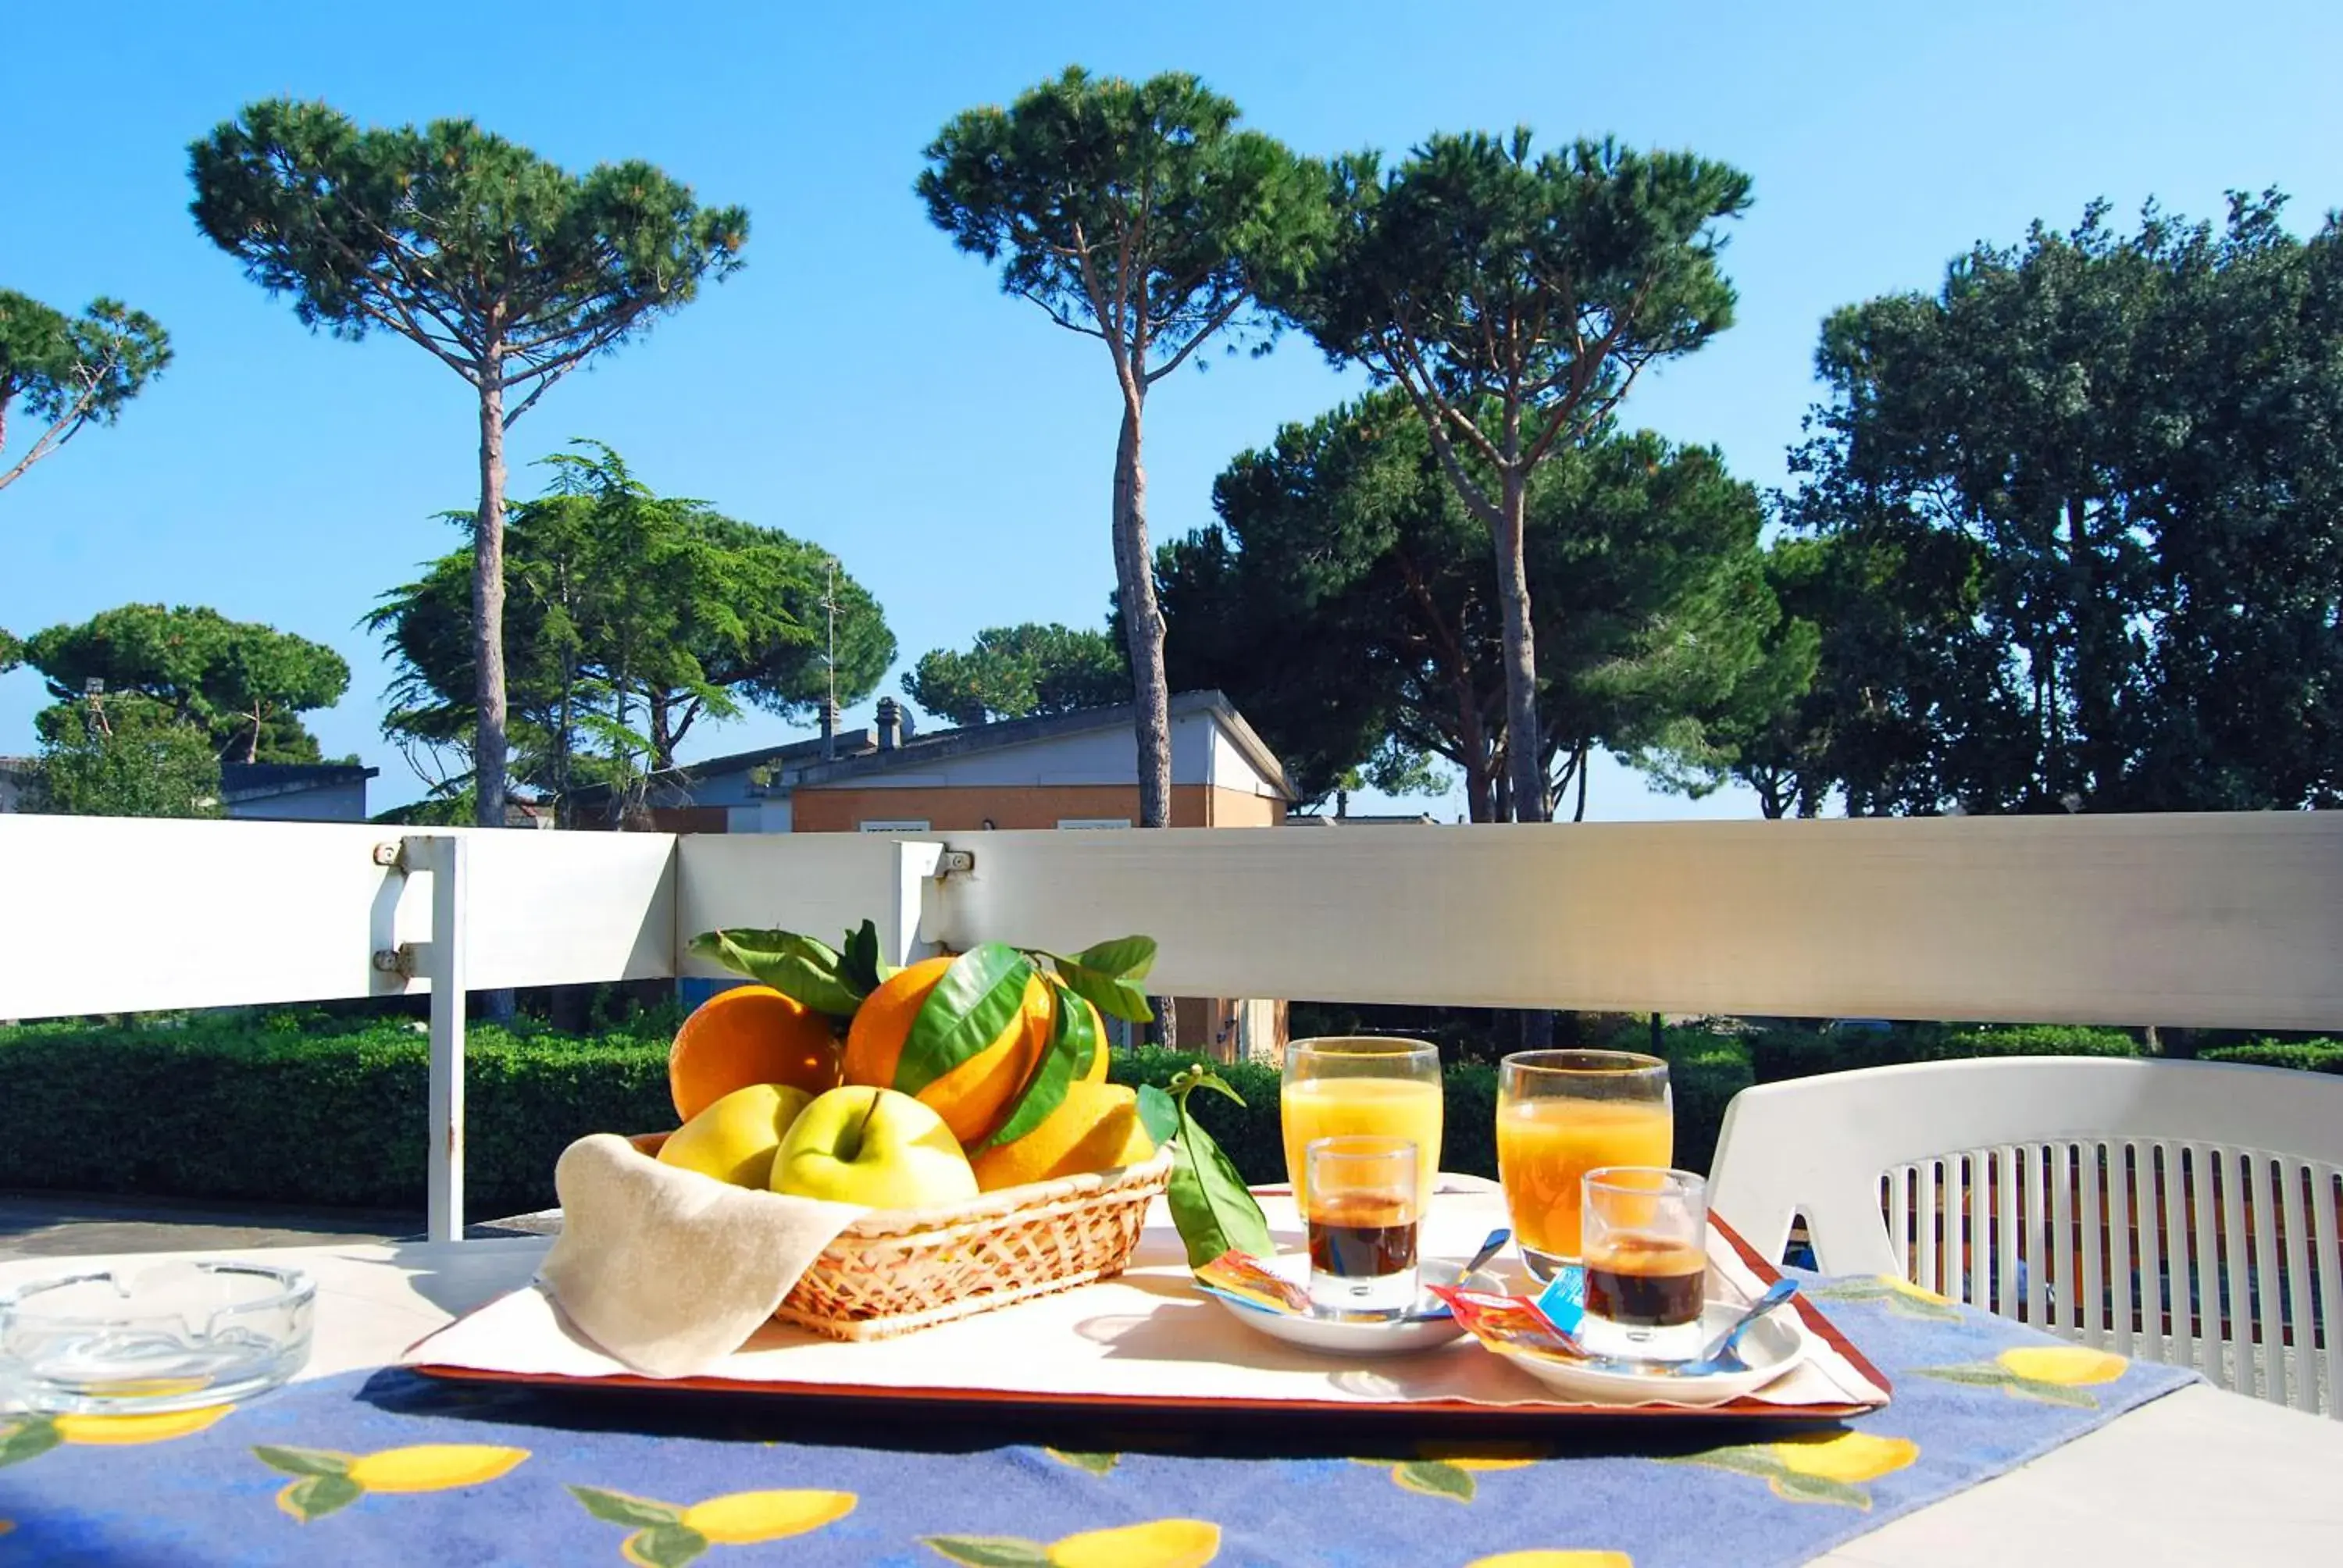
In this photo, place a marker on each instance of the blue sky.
(862, 384)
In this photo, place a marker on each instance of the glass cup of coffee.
(1362, 1209)
(1643, 1236)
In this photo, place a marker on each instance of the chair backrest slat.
(2324, 1181)
(2175, 1212)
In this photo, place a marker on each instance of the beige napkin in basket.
(669, 1271)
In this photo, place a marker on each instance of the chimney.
(890, 724)
(829, 730)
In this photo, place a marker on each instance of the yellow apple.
(736, 1138)
(874, 1147)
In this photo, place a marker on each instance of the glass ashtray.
(175, 1336)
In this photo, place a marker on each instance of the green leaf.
(2052, 1393)
(1796, 1488)
(1072, 1039)
(618, 1507)
(1210, 1206)
(970, 1007)
(302, 1461)
(1124, 958)
(315, 1496)
(859, 963)
(798, 967)
(1096, 1463)
(1158, 1114)
(665, 1545)
(1199, 1076)
(990, 1550)
(28, 1439)
(1435, 1478)
(1112, 996)
(1755, 1461)
(1980, 1375)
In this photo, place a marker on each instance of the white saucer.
(1774, 1345)
(1337, 1336)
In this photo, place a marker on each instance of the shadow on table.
(940, 1426)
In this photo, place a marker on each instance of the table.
(2199, 1476)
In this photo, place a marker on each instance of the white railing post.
(441, 962)
(902, 911)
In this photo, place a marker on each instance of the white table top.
(2197, 1477)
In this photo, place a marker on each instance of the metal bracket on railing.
(390, 855)
(955, 862)
(406, 961)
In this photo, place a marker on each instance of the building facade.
(1072, 771)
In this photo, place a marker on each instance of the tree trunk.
(1520, 654)
(489, 606)
(1142, 623)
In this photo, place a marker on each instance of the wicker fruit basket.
(899, 1270)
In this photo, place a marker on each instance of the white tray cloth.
(1146, 1335)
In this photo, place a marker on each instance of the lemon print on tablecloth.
(1094, 1463)
(1448, 1471)
(669, 1534)
(26, 1437)
(1898, 1295)
(2052, 1375)
(327, 1479)
(1160, 1543)
(1816, 1467)
(1550, 1557)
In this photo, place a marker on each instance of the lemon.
(434, 1466)
(734, 1139)
(1162, 1544)
(741, 1518)
(110, 1429)
(1096, 1128)
(2068, 1366)
(1845, 1456)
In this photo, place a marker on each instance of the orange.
(974, 1097)
(746, 1035)
(1096, 1128)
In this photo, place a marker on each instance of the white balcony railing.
(2228, 920)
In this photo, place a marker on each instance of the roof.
(1368, 820)
(263, 781)
(800, 764)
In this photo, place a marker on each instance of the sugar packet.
(1511, 1325)
(1244, 1279)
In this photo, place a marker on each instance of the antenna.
(830, 603)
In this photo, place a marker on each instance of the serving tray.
(1148, 1343)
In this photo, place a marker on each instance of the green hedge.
(1788, 1051)
(332, 1112)
(232, 1110)
(2303, 1056)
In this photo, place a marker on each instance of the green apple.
(874, 1147)
(736, 1138)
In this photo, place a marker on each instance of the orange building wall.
(967, 808)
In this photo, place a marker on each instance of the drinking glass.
(1368, 1085)
(1362, 1217)
(1646, 1240)
(1562, 1113)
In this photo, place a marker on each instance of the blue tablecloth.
(391, 1468)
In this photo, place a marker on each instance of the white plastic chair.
(1993, 1182)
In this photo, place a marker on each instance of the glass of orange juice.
(1361, 1085)
(1560, 1114)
